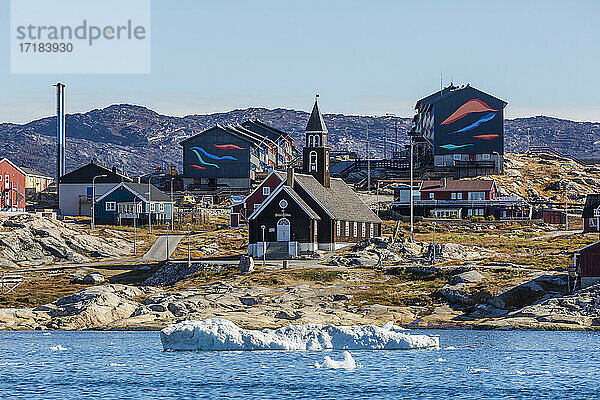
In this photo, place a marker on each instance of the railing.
(474, 164)
(463, 203)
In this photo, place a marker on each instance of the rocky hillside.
(137, 139)
(30, 240)
(543, 177)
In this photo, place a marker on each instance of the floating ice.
(220, 334)
(441, 360)
(450, 348)
(347, 363)
(58, 348)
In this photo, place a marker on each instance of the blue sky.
(368, 57)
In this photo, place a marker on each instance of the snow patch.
(347, 363)
(218, 334)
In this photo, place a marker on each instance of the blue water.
(132, 365)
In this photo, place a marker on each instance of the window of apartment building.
(457, 157)
(476, 196)
(485, 156)
(347, 228)
(110, 206)
(364, 229)
(453, 196)
(161, 207)
(355, 229)
(459, 196)
(431, 195)
(371, 229)
(152, 207)
(266, 191)
(338, 228)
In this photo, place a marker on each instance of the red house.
(12, 186)
(591, 213)
(587, 264)
(243, 210)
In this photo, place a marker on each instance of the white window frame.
(459, 196)
(371, 230)
(364, 229)
(457, 157)
(347, 228)
(161, 207)
(431, 195)
(338, 228)
(266, 191)
(312, 165)
(152, 207)
(110, 206)
(355, 229)
(485, 156)
(453, 195)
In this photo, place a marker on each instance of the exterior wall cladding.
(468, 126)
(232, 163)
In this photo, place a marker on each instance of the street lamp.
(264, 244)
(188, 243)
(172, 208)
(433, 223)
(135, 216)
(93, 225)
(500, 164)
(149, 205)
(167, 255)
(412, 217)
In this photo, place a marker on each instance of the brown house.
(310, 211)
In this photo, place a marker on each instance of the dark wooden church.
(311, 211)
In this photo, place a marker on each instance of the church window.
(313, 161)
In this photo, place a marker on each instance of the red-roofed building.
(461, 198)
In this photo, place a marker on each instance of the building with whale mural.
(233, 155)
(462, 128)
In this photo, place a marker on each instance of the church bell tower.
(315, 154)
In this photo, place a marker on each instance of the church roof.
(315, 121)
(339, 201)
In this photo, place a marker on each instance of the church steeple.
(316, 153)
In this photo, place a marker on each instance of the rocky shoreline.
(125, 307)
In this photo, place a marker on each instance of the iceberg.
(347, 363)
(218, 334)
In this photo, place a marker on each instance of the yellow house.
(35, 181)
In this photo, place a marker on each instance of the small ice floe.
(220, 334)
(441, 359)
(46, 334)
(450, 348)
(117, 365)
(58, 348)
(477, 370)
(347, 363)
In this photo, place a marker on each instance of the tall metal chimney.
(60, 135)
(60, 129)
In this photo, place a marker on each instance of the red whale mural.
(471, 106)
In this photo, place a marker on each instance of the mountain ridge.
(137, 138)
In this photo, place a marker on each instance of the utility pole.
(410, 138)
(384, 141)
(368, 164)
(566, 212)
